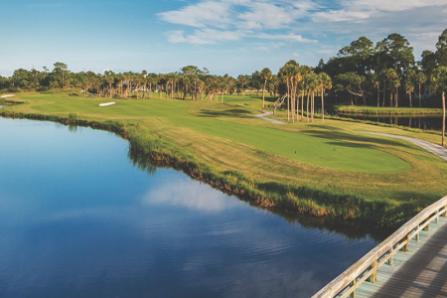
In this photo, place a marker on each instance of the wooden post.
(354, 283)
(405, 248)
(373, 277)
(389, 262)
(348, 281)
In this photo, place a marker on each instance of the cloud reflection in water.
(191, 195)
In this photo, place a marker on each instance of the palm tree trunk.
(291, 101)
(420, 96)
(307, 108)
(263, 94)
(443, 118)
(378, 95)
(288, 101)
(322, 103)
(295, 117)
(302, 105)
(313, 106)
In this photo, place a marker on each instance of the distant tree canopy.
(385, 73)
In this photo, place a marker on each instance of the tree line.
(190, 83)
(386, 73)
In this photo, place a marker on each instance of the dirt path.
(264, 116)
(430, 147)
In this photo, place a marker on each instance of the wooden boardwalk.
(410, 263)
(419, 272)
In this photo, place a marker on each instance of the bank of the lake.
(424, 123)
(387, 111)
(79, 219)
(425, 119)
(211, 142)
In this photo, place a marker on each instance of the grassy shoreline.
(388, 111)
(154, 142)
(340, 213)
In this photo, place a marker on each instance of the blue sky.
(226, 36)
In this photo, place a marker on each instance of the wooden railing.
(366, 268)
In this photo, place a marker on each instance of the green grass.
(405, 111)
(330, 168)
(219, 120)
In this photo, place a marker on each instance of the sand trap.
(107, 104)
(7, 96)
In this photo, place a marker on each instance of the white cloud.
(357, 10)
(203, 14)
(395, 5)
(342, 15)
(290, 37)
(266, 15)
(213, 21)
(203, 36)
(262, 23)
(212, 36)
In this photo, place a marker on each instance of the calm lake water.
(78, 219)
(421, 122)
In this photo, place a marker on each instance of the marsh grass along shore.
(330, 168)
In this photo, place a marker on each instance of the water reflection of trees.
(141, 160)
(72, 128)
(421, 122)
(352, 229)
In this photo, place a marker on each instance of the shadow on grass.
(352, 145)
(322, 126)
(343, 139)
(417, 198)
(239, 113)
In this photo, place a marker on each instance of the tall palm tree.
(109, 78)
(312, 87)
(289, 75)
(298, 81)
(305, 71)
(266, 75)
(394, 80)
(440, 81)
(326, 84)
(143, 82)
(375, 79)
(421, 78)
(410, 78)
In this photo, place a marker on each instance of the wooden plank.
(388, 247)
(420, 273)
